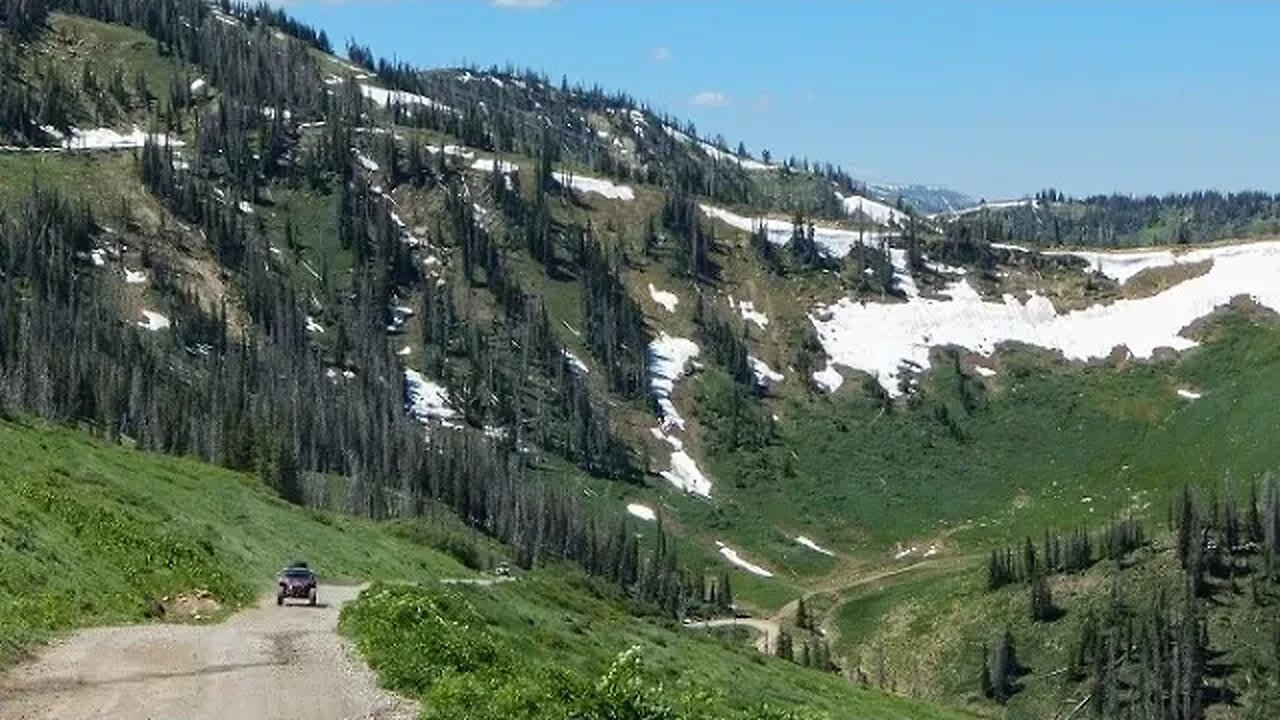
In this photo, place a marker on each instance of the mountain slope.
(131, 533)
(96, 534)
(599, 339)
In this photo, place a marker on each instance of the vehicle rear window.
(297, 573)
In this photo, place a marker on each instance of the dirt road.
(766, 630)
(263, 663)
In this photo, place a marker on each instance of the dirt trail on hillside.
(264, 663)
(768, 629)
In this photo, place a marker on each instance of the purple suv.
(297, 582)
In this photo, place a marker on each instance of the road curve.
(265, 663)
(766, 630)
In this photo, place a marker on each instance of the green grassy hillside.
(555, 645)
(1046, 443)
(91, 534)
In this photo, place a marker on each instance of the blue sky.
(997, 99)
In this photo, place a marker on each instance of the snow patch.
(995, 205)
(984, 371)
(732, 556)
(1121, 266)
(874, 210)
(601, 187)
(644, 512)
(686, 475)
(1188, 394)
(905, 332)
(716, 153)
(669, 358)
(426, 400)
(198, 84)
(135, 277)
(108, 139)
(828, 379)
(665, 298)
(835, 242)
(454, 150)
(314, 326)
(749, 312)
(488, 164)
(765, 375)
(384, 97)
(944, 269)
(153, 321)
(400, 314)
(575, 362)
(814, 546)
(367, 163)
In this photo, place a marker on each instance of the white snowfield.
(384, 97)
(669, 358)
(101, 139)
(427, 400)
(1121, 266)
(732, 556)
(153, 321)
(874, 210)
(604, 188)
(879, 338)
(836, 242)
(814, 546)
(644, 512)
(665, 298)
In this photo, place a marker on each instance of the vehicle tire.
(312, 597)
(279, 599)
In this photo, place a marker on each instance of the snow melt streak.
(603, 188)
(732, 556)
(802, 540)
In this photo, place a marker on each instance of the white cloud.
(660, 54)
(710, 98)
